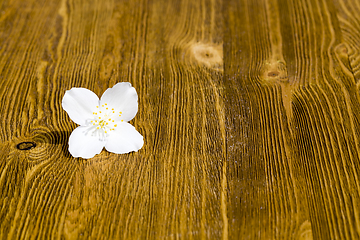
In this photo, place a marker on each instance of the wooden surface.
(250, 110)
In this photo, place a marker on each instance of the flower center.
(103, 122)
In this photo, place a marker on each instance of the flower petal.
(82, 144)
(123, 98)
(80, 103)
(124, 139)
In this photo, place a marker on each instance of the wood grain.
(249, 111)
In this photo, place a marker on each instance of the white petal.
(82, 144)
(124, 139)
(80, 103)
(123, 98)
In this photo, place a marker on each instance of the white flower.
(103, 123)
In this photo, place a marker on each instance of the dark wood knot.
(273, 74)
(274, 70)
(26, 145)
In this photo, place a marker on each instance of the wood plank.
(327, 123)
(173, 186)
(317, 135)
(263, 192)
(249, 111)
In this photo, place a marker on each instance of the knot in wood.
(26, 145)
(342, 49)
(275, 70)
(209, 55)
(273, 74)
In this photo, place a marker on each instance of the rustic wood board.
(249, 110)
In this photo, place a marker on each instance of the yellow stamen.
(115, 125)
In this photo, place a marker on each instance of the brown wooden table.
(249, 110)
